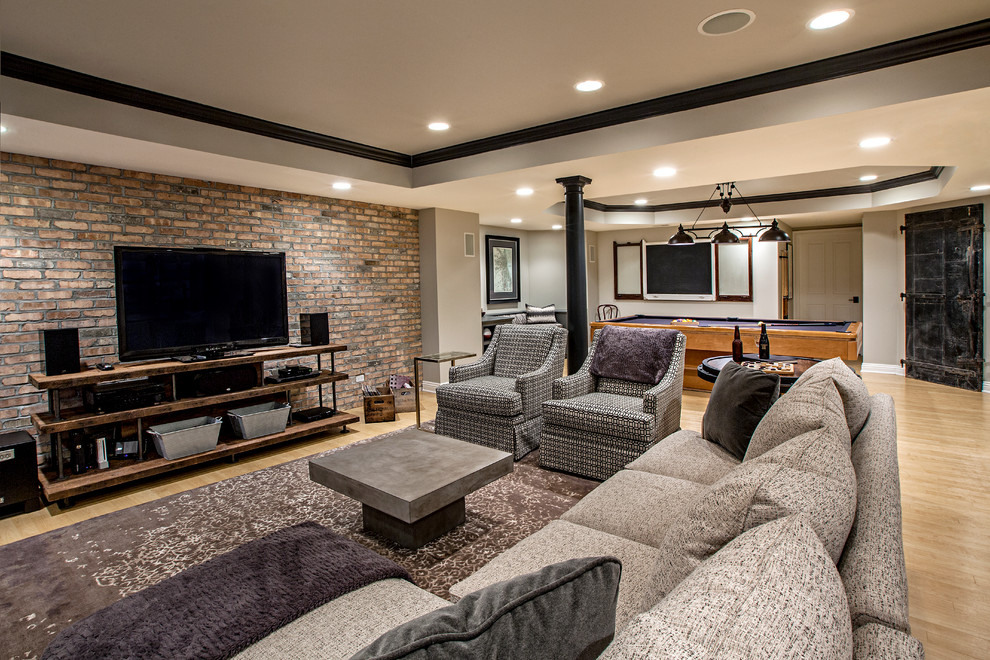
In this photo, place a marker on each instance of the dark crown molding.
(930, 174)
(963, 37)
(904, 51)
(33, 71)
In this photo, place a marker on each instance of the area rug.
(49, 581)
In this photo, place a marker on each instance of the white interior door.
(828, 274)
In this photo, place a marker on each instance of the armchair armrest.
(663, 400)
(483, 367)
(536, 386)
(574, 385)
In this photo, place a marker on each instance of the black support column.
(577, 276)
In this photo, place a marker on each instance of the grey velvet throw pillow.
(740, 399)
(563, 611)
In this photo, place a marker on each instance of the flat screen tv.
(174, 302)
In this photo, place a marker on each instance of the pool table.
(710, 336)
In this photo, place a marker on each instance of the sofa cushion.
(686, 455)
(810, 474)
(347, 624)
(605, 414)
(564, 610)
(521, 349)
(814, 405)
(493, 395)
(852, 390)
(635, 505)
(739, 400)
(561, 540)
(771, 593)
(546, 314)
(876, 641)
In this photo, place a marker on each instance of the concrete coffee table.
(411, 485)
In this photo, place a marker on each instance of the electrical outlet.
(359, 378)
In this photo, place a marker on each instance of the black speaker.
(60, 351)
(210, 382)
(18, 471)
(314, 329)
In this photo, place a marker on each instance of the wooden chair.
(607, 313)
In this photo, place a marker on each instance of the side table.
(710, 368)
(450, 356)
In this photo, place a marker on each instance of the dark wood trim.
(943, 42)
(718, 295)
(930, 174)
(33, 71)
(615, 271)
(934, 44)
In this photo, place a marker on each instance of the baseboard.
(986, 387)
(430, 386)
(880, 368)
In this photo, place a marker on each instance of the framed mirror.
(734, 271)
(627, 260)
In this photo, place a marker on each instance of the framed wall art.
(502, 261)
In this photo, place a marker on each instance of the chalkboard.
(679, 272)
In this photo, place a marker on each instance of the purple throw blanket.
(641, 355)
(222, 606)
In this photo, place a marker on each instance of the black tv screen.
(186, 301)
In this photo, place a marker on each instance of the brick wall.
(60, 220)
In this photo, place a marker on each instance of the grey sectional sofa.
(793, 552)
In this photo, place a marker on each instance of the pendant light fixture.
(725, 234)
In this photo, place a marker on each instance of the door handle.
(854, 299)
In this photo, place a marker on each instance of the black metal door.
(944, 297)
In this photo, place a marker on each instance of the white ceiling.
(378, 72)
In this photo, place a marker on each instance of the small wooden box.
(405, 399)
(380, 408)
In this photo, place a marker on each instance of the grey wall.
(766, 286)
(448, 285)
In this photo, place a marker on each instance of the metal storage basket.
(262, 419)
(187, 437)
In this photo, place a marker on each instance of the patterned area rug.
(51, 580)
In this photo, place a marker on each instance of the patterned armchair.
(496, 401)
(595, 425)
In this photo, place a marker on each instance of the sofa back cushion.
(773, 592)
(816, 404)
(521, 349)
(852, 390)
(872, 565)
(566, 610)
(809, 474)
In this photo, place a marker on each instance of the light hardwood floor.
(944, 450)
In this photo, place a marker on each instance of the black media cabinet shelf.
(58, 420)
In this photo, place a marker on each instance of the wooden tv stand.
(62, 418)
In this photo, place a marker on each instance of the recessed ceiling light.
(874, 142)
(982, 186)
(557, 227)
(830, 19)
(341, 185)
(588, 86)
(515, 221)
(726, 22)
(523, 192)
(438, 126)
(3, 129)
(664, 171)
(640, 202)
(868, 177)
